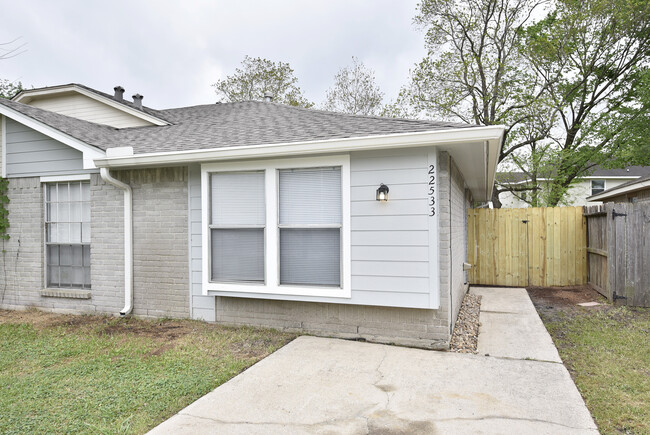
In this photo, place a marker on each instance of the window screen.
(67, 228)
(237, 221)
(310, 226)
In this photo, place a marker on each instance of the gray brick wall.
(405, 326)
(160, 250)
(160, 246)
(21, 263)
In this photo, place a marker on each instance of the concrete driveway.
(321, 385)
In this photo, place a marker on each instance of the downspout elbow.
(128, 238)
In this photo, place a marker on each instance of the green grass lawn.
(607, 351)
(94, 374)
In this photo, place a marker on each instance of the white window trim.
(63, 178)
(591, 186)
(44, 183)
(271, 236)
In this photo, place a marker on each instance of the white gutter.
(128, 239)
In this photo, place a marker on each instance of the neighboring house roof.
(228, 125)
(598, 172)
(629, 187)
(152, 115)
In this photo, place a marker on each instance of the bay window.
(277, 226)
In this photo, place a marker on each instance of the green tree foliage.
(4, 213)
(474, 70)
(257, 77)
(568, 80)
(9, 89)
(354, 91)
(593, 56)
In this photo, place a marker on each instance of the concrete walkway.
(320, 385)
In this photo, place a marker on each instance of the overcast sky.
(172, 51)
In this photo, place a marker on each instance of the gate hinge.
(615, 214)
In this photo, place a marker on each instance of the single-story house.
(632, 191)
(246, 213)
(582, 192)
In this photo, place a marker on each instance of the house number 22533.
(432, 190)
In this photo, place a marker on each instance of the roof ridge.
(330, 113)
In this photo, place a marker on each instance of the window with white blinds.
(237, 222)
(277, 226)
(67, 228)
(310, 226)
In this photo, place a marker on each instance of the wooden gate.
(527, 246)
(619, 252)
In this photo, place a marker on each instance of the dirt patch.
(464, 339)
(556, 302)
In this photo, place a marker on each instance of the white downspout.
(128, 239)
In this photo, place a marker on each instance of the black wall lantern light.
(382, 192)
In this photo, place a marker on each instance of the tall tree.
(257, 77)
(594, 56)
(354, 91)
(475, 72)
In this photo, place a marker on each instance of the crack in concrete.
(511, 358)
(499, 417)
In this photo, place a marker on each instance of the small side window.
(597, 186)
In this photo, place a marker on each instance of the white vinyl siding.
(67, 230)
(85, 108)
(30, 153)
(393, 258)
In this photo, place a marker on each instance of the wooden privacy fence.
(618, 247)
(527, 246)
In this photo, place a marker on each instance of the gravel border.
(465, 336)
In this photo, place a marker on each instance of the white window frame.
(591, 185)
(45, 182)
(271, 236)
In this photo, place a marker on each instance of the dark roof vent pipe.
(268, 97)
(119, 93)
(137, 101)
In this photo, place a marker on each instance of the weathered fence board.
(619, 252)
(528, 246)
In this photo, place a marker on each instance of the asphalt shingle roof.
(228, 125)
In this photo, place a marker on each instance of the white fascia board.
(94, 96)
(401, 140)
(90, 153)
(616, 191)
